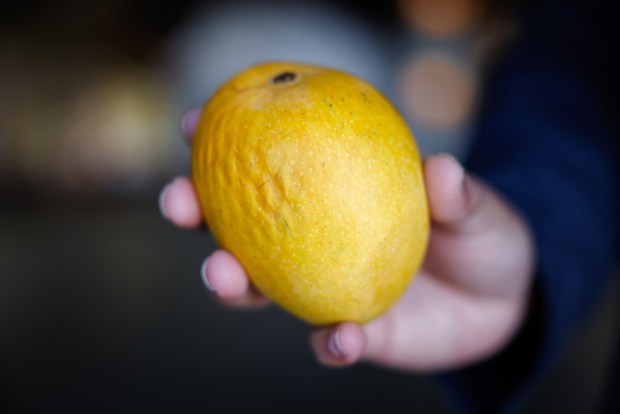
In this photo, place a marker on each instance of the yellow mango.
(313, 181)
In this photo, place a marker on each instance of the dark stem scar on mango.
(284, 77)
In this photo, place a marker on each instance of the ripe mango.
(312, 179)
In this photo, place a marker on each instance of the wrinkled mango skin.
(312, 179)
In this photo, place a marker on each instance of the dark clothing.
(547, 142)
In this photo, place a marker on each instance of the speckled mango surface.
(311, 178)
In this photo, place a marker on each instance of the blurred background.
(102, 308)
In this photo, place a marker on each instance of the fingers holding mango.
(338, 346)
(223, 275)
(179, 204)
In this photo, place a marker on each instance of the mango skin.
(315, 184)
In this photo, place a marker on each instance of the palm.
(434, 326)
(466, 301)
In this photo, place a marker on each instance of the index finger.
(189, 122)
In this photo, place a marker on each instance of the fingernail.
(460, 169)
(458, 164)
(162, 206)
(203, 275)
(190, 120)
(334, 346)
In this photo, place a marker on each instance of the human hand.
(466, 303)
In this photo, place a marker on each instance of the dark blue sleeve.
(546, 142)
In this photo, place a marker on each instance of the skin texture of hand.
(466, 303)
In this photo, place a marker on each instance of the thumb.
(478, 241)
(458, 202)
